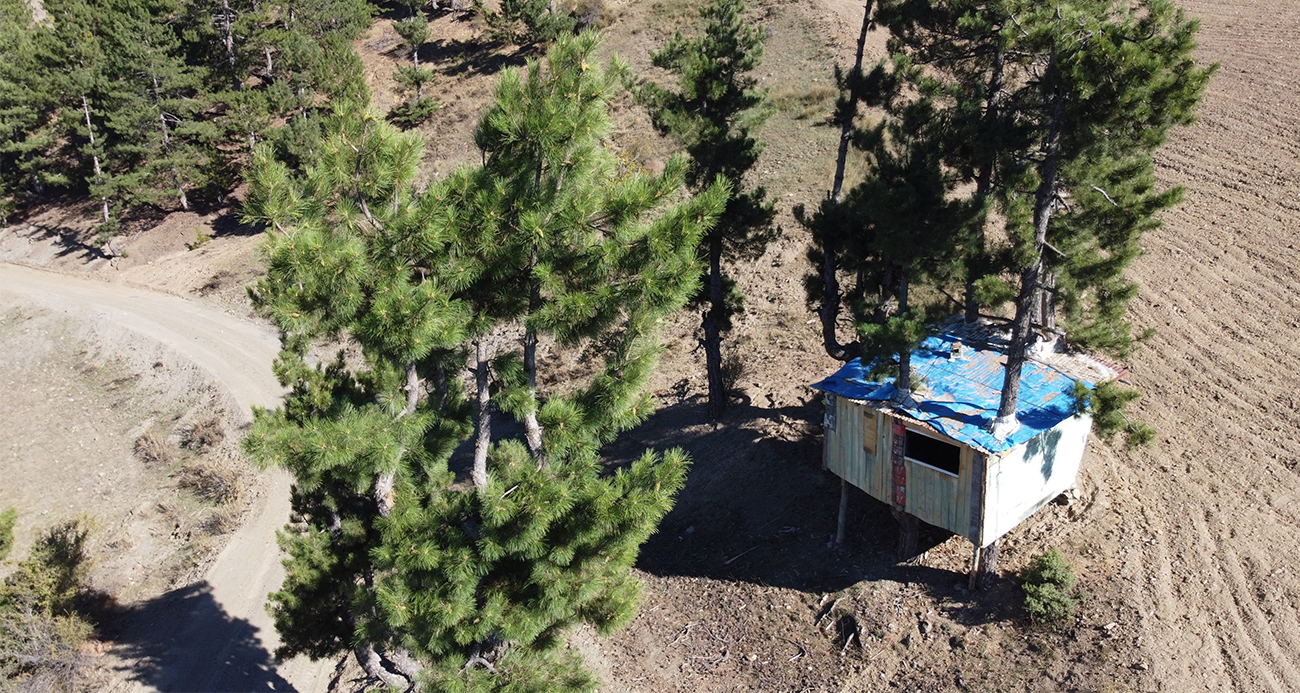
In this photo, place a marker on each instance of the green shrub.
(7, 520)
(41, 629)
(410, 114)
(1049, 588)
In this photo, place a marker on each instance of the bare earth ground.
(89, 368)
(1188, 550)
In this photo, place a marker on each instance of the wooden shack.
(933, 457)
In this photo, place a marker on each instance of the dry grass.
(152, 451)
(803, 102)
(222, 521)
(203, 435)
(669, 16)
(593, 13)
(217, 481)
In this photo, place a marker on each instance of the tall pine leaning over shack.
(433, 580)
(1052, 114)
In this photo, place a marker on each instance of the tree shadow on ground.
(209, 651)
(229, 222)
(758, 508)
(993, 602)
(84, 245)
(480, 57)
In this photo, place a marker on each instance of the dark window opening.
(934, 452)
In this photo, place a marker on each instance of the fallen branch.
(828, 613)
(742, 553)
(686, 632)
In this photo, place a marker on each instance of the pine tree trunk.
(830, 308)
(439, 385)
(903, 384)
(483, 426)
(180, 190)
(167, 140)
(713, 330)
(846, 127)
(533, 429)
(983, 186)
(373, 665)
(94, 157)
(385, 495)
(415, 60)
(1021, 326)
(229, 41)
(270, 66)
(1047, 301)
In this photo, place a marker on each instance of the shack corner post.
(933, 459)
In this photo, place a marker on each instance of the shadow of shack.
(933, 457)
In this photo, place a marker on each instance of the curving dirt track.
(1202, 528)
(217, 635)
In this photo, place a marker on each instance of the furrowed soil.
(1187, 550)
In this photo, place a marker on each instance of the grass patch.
(216, 481)
(203, 435)
(153, 451)
(222, 521)
(7, 520)
(669, 16)
(802, 102)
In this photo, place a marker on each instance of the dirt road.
(216, 635)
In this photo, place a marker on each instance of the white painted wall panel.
(1028, 476)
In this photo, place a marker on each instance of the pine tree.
(81, 81)
(1110, 81)
(967, 49)
(904, 224)
(26, 108)
(529, 22)
(713, 112)
(1051, 116)
(154, 116)
(417, 109)
(426, 580)
(822, 286)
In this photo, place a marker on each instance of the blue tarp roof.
(961, 394)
